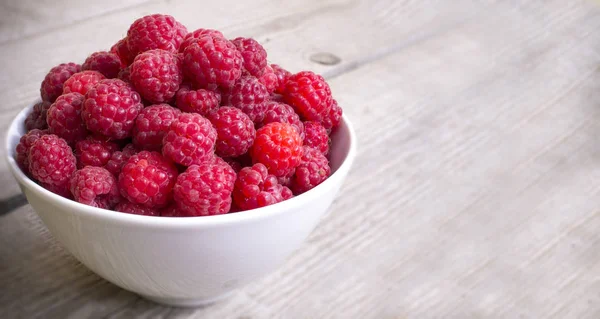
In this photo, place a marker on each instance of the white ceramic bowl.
(184, 261)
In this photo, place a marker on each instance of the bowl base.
(186, 303)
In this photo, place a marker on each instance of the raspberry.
(107, 63)
(152, 124)
(131, 208)
(60, 190)
(282, 76)
(193, 36)
(269, 79)
(64, 118)
(156, 31)
(190, 140)
(254, 55)
(125, 74)
(279, 147)
(309, 94)
(94, 151)
(171, 211)
(282, 113)
(118, 159)
(234, 163)
(205, 189)
(23, 147)
(156, 75)
(122, 51)
(235, 131)
(332, 120)
(316, 137)
(81, 82)
(255, 188)
(147, 178)
(110, 108)
(51, 161)
(210, 61)
(199, 101)
(249, 95)
(94, 186)
(52, 86)
(37, 118)
(312, 171)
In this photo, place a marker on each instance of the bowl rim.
(177, 222)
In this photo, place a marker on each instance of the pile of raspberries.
(177, 123)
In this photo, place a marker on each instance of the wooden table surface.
(475, 193)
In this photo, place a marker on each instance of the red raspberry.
(254, 55)
(171, 211)
(205, 189)
(107, 63)
(255, 188)
(118, 159)
(235, 131)
(94, 186)
(309, 94)
(122, 50)
(210, 61)
(193, 36)
(64, 118)
(52, 86)
(269, 79)
(312, 171)
(249, 95)
(37, 118)
(51, 160)
(151, 126)
(125, 74)
(332, 120)
(234, 163)
(316, 137)
(60, 190)
(277, 98)
(282, 76)
(156, 31)
(94, 151)
(156, 75)
(131, 208)
(282, 113)
(81, 82)
(190, 140)
(279, 147)
(110, 108)
(147, 178)
(199, 101)
(23, 147)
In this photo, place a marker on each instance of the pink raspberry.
(249, 95)
(254, 55)
(269, 79)
(51, 161)
(22, 149)
(131, 208)
(332, 120)
(312, 171)
(152, 124)
(205, 189)
(81, 82)
(147, 178)
(94, 186)
(52, 86)
(156, 31)
(316, 137)
(255, 188)
(190, 140)
(156, 75)
(199, 101)
(110, 108)
(281, 113)
(94, 151)
(309, 94)
(235, 131)
(193, 36)
(37, 118)
(279, 147)
(212, 61)
(122, 50)
(282, 76)
(107, 63)
(64, 118)
(119, 158)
